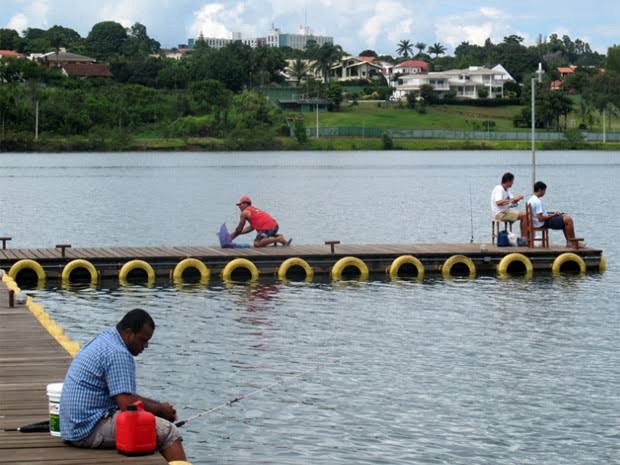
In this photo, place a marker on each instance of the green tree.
(437, 49)
(106, 39)
(603, 92)
(174, 74)
(10, 40)
(299, 128)
(299, 70)
(334, 95)
(7, 103)
(368, 53)
(67, 36)
(613, 58)
(209, 96)
(139, 43)
(421, 46)
(327, 55)
(427, 93)
(404, 48)
(387, 142)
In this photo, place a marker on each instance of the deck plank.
(29, 360)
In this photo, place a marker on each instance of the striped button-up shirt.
(103, 369)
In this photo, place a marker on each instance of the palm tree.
(299, 69)
(405, 48)
(437, 49)
(326, 56)
(57, 41)
(420, 46)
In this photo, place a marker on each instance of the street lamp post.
(539, 73)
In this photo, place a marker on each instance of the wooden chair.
(531, 230)
(495, 228)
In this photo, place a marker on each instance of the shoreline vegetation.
(132, 95)
(209, 144)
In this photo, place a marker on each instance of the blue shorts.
(557, 222)
(260, 235)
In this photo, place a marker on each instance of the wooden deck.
(29, 360)
(109, 260)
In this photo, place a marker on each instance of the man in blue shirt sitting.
(101, 382)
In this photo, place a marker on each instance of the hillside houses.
(464, 83)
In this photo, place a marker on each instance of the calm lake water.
(440, 372)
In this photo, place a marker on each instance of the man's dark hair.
(135, 320)
(539, 186)
(508, 177)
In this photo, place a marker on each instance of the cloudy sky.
(355, 24)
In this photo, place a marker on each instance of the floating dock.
(339, 261)
(30, 358)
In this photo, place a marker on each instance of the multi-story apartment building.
(275, 38)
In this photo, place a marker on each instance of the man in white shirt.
(551, 220)
(503, 203)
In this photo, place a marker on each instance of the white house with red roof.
(411, 67)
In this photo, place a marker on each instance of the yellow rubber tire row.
(456, 264)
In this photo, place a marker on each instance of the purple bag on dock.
(225, 241)
(224, 237)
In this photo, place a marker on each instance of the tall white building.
(275, 38)
(299, 41)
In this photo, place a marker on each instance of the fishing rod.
(471, 215)
(229, 403)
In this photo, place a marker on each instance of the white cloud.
(126, 13)
(390, 18)
(473, 26)
(34, 14)
(19, 22)
(220, 20)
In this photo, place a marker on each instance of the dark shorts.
(557, 222)
(260, 235)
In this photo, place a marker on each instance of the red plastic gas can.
(135, 431)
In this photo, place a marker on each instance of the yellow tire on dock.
(450, 263)
(239, 263)
(27, 264)
(289, 263)
(395, 266)
(602, 265)
(190, 263)
(133, 265)
(349, 262)
(504, 264)
(79, 264)
(565, 258)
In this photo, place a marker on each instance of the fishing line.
(471, 215)
(241, 397)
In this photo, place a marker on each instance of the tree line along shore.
(222, 99)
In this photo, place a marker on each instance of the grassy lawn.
(455, 117)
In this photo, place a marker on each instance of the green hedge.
(497, 102)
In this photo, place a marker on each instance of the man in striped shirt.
(101, 382)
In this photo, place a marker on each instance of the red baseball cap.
(245, 199)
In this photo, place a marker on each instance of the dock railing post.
(332, 245)
(62, 248)
(4, 240)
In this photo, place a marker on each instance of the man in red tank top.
(265, 225)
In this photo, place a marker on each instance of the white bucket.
(53, 395)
